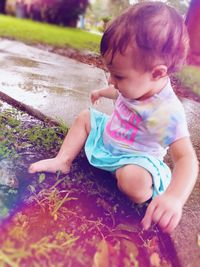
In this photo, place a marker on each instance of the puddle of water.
(7, 175)
(9, 189)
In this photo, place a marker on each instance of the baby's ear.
(158, 72)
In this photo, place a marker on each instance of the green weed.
(9, 126)
(46, 138)
(41, 250)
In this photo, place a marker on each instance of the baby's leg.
(72, 145)
(136, 182)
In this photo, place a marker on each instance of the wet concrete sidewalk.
(59, 87)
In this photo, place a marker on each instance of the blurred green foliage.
(190, 77)
(35, 32)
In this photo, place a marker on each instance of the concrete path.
(60, 87)
(57, 86)
(186, 237)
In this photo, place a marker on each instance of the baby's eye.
(118, 77)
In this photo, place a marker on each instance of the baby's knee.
(84, 114)
(138, 186)
(84, 117)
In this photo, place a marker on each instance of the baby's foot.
(50, 165)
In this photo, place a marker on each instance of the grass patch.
(9, 127)
(13, 132)
(190, 77)
(35, 32)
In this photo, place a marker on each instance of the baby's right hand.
(95, 95)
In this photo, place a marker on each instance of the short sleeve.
(168, 123)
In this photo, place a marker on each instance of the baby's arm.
(108, 92)
(166, 209)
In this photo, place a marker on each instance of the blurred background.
(89, 14)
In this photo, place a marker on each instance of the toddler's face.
(131, 83)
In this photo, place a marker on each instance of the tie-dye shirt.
(146, 126)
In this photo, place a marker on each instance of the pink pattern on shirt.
(124, 130)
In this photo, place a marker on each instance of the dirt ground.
(79, 219)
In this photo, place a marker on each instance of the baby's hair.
(156, 32)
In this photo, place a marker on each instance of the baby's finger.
(172, 224)
(157, 215)
(93, 100)
(147, 220)
(165, 220)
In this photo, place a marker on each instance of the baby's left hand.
(165, 210)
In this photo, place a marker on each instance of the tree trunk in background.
(193, 25)
(2, 6)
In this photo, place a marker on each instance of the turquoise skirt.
(99, 157)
